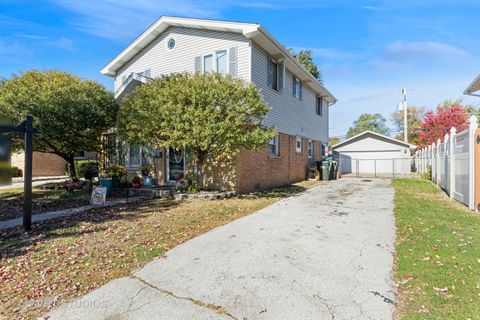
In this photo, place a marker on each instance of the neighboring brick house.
(43, 164)
(299, 102)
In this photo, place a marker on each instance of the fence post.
(437, 165)
(451, 168)
(471, 162)
(445, 160)
(430, 160)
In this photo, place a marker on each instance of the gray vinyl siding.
(189, 44)
(289, 114)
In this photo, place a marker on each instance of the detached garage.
(372, 153)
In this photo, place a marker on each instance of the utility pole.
(405, 117)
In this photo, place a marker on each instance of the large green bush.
(79, 164)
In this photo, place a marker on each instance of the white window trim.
(277, 147)
(297, 149)
(168, 40)
(311, 150)
(213, 53)
(297, 92)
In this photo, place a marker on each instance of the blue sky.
(366, 50)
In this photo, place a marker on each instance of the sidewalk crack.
(217, 309)
(330, 308)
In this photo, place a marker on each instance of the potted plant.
(146, 172)
(136, 182)
(116, 172)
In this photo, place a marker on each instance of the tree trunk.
(72, 169)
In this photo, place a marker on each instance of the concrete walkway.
(62, 213)
(326, 254)
(36, 182)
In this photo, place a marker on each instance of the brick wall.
(259, 170)
(48, 164)
(44, 164)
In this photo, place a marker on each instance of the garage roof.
(369, 133)
(473, 87)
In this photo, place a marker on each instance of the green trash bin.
(333, 171)
(325, 175)
(107, 183)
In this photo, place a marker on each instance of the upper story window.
(297, 88)
(273, 149)
(221, 62)
(310, 149)
(207, 63)
(171, 43)
(275, 74)
(298, 144)
(319, 108)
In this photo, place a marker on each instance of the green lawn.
(65, 258)
(11, 201)
(438, 254)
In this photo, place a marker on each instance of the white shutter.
(232, 62)
(198, 64)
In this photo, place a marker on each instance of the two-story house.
(299, 102)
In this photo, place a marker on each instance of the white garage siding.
(370, 153)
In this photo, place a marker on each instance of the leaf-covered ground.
(438, 254)
(11, 201)
(65, 258)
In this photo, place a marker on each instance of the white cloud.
(412, 53)
(123, 19)
(119, 19)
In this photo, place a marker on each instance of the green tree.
(415, 117)
(69, 113)
(208, 115)
(305, 57)
(373, 122)
(333, 141)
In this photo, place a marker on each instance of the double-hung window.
(310, 149)
(298, 144)
(221, 62)
(273, 149)
(216, 62)
(275, 74)
(320, 106)
(297, 88)
(135, 156)
(208, 63)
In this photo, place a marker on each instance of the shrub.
(80, 163)
(428, 174)
(147, 170)
(136, 179)
(89, 170)
(16, 172)
(117, 171)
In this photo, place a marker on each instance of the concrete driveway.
(325, 254)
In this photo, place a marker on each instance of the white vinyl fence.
(452, 163)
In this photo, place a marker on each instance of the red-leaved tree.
(438, 123)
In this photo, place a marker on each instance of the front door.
(176, 164)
